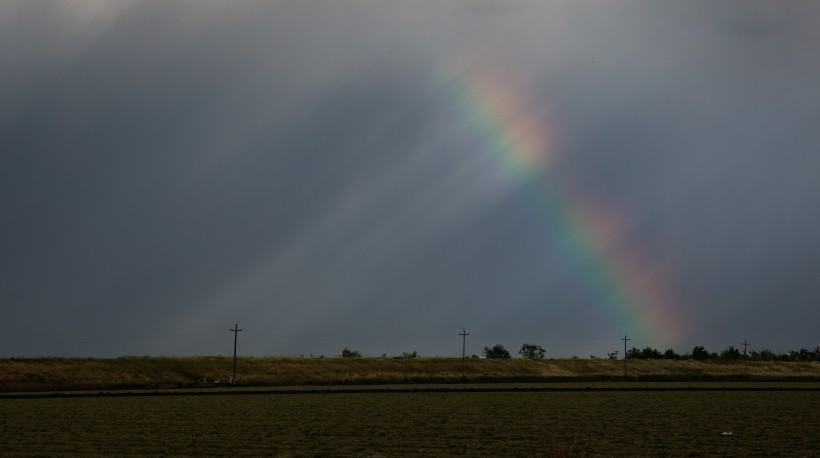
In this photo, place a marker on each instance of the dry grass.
(42, 374)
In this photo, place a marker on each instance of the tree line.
(698, 353)
(731, 353)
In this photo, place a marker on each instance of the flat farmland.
(63, 374)
(389, 422)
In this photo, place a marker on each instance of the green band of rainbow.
(621, 279)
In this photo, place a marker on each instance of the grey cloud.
(306, 168)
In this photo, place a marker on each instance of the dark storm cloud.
(305, 168)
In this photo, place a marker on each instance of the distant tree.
(531, 351)
(650, 353)
(348, 353)
(730, 353)
(670, 354)
(409, 355)
(497, 351)
(754, 355)
(763, 355)
(699, 353)
(802, 355)
(646, 353)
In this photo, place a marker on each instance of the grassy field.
(677, 423)
(42, 374)
(419, 407)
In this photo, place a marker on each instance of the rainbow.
(622, 280)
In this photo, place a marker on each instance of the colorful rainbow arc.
(624, 282)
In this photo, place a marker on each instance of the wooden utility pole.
(463, 335)
(235, 332)
(745, 358)
(625, 339)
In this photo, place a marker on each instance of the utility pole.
(235, 332)
(463, 335)
(745, 358)
(625, 339)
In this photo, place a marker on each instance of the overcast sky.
(379, 175)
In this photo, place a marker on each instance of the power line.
(302, 335)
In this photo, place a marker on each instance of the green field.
(394, 423)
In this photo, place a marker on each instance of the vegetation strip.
(206, 392)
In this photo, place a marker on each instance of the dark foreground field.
(395, 422)
(419, 407)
